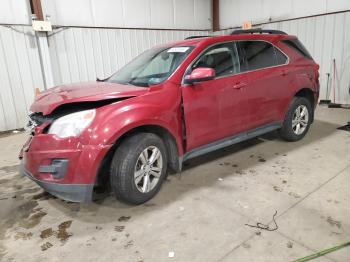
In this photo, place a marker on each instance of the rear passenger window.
(259, 54)
(223, 58)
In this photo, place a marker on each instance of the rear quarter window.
(281, 58)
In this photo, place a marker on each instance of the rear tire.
(138, 168)
(298, 120)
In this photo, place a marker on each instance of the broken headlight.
(72, 124)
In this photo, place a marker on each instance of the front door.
(213, 109)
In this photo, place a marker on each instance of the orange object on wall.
(247, 25)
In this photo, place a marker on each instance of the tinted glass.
(257, 54)
(223, 58)
(298, 46)
(281, 58)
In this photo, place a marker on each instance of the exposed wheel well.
(102, 178)
(308, 94)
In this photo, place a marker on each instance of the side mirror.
(200, 74)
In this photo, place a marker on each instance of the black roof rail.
(196, 36)
(258, 31)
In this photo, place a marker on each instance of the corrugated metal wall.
(20, 74)
(234, 13)
(326, 37)
(150, 14)
(82, 54)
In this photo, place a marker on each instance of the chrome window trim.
(233, 41)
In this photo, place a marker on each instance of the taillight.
(317, 74)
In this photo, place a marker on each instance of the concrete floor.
(200, 215)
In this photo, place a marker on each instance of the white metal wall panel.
(156, 14)
(337, 5)
(203, 14)
(15, 12)
(107, 13)
(234, 12)
(137, 14)
(162, 13)
(82, 54)
(20, 74)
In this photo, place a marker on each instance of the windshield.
(151, 67)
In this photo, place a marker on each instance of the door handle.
(239, 85)
(284, 73)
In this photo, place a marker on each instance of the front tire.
(138, 168)
(298, 120)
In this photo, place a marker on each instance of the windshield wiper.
(102, 80)
(142, 84)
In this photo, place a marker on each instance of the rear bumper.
(69, 192)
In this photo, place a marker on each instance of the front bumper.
(65, 168)
(69, 192)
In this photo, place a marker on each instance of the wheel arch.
(102, 176)
(309, 94)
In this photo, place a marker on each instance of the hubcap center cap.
(147, 168)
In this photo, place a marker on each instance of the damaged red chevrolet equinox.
(172, 103)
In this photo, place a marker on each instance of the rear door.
(213, 109)
(267, 80)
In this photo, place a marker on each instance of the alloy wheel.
(148, 169)
(300, 120)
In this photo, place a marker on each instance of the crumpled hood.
(50, 99)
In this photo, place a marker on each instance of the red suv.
(172, 103)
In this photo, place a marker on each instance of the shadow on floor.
(318, 130)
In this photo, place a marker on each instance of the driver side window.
(223, 58)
